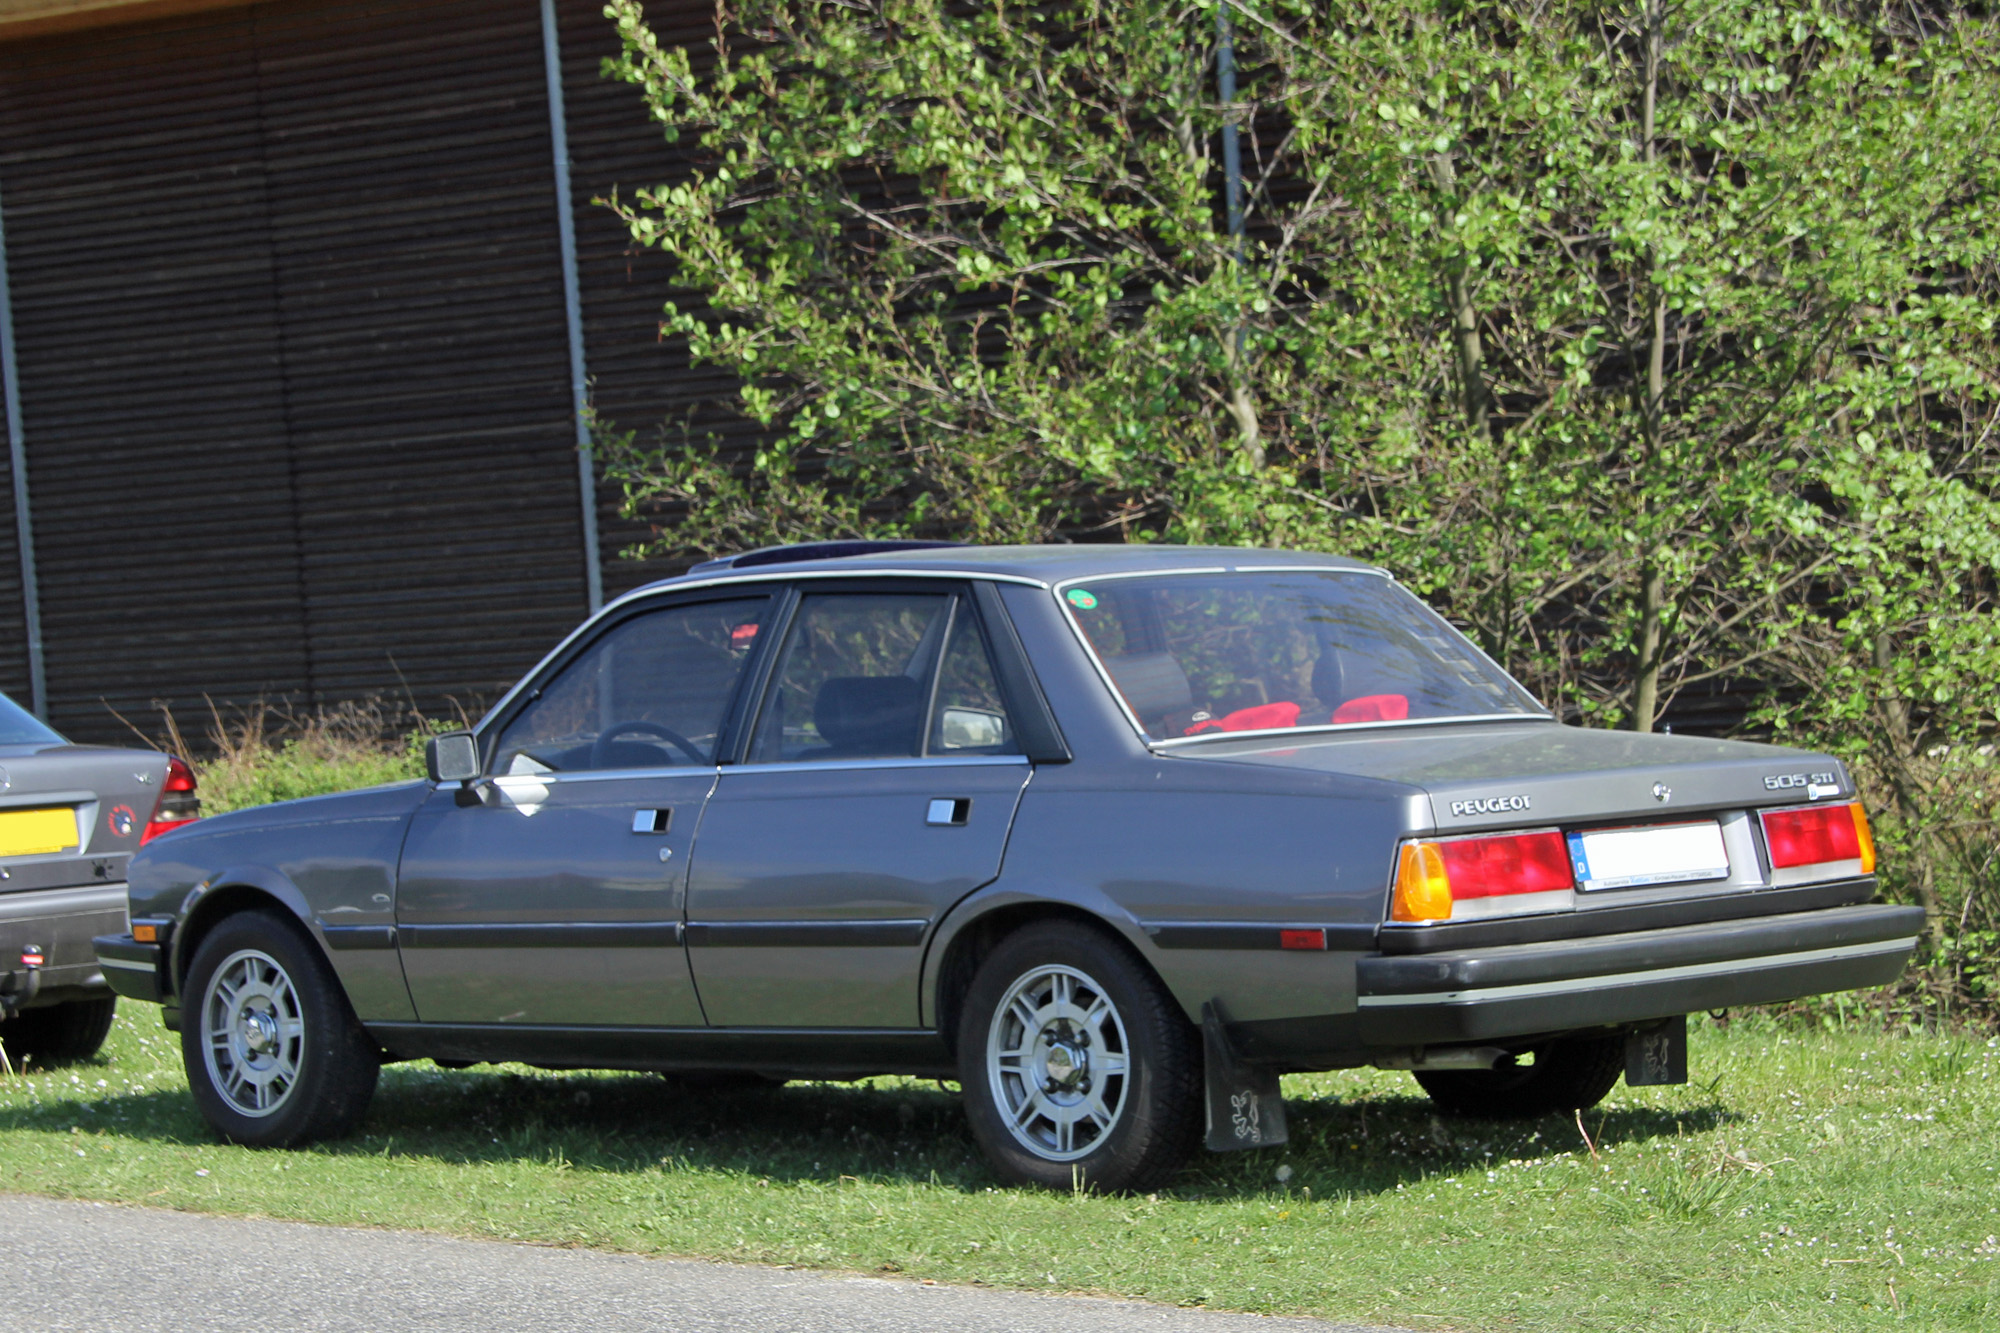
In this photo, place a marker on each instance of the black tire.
(1154, 1120)
(274, 1055)
(58, 1034)
(1573, 1074)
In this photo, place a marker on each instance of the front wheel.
(274, 1054)
(1079, 1069)
(1573, 1074)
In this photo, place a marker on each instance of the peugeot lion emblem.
(1662, 792)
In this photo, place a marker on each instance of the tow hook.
(17, 989)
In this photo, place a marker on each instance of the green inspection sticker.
(1082, 600)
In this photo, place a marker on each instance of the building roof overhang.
(34, 18)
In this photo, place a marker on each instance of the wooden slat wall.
(139, 255)
(289, 311)
(640, 382)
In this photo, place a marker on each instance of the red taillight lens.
(1431, 876)
(1521, 863)
(1810, 836)
(178, 803)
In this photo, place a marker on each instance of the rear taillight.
(1433, 876)
(178, 803)
(1820, 835)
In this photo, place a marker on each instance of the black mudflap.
(1245, 1109)
(1657, 1054)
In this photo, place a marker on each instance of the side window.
(969, 717)
(651, 692)
(854, 678)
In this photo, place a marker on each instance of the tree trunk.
(1464, 318)
(1652, 583)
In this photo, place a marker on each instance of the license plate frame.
(44, 830)
(1688, 852)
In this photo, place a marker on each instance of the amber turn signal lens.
(146, 934)
(1864, 836)
(1423, 891)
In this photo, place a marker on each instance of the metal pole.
(17, 460)
(579, 383)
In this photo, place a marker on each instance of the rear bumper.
(62, 922)
(1525, 989)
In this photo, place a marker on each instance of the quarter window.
(652, 692)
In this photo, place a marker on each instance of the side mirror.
(452, 757)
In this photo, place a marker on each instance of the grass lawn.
(1806, 1180)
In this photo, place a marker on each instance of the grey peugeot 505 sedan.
(1114, 836)
(70, 818)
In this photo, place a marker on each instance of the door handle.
(948, 812)
(652, 821)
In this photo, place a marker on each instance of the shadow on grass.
(888, 1132)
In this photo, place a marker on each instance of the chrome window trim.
(1345, 728)
(1150, 742)
(557, 777)
(779, 574)
(866, 765)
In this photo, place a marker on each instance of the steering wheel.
(600, 749)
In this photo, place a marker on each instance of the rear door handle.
(947, 811)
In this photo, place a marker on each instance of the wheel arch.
(974, 929)
(226, 895)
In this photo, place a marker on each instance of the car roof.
(1047, 565)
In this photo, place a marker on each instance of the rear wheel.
(58, 1034)
(1572, 1074)
(274, 1054)
(1078, 1066)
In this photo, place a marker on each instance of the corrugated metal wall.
(289, 310)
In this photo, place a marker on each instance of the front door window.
(651, 693)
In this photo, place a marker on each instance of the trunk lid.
(108, 794)
(1514, 774)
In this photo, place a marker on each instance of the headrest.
(1152, 683)
(874, 715)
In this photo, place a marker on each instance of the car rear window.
(1208, 654)
(20, 727)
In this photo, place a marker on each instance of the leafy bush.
(1655, 345)
(266, 753)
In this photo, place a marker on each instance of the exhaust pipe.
(1445, 1057)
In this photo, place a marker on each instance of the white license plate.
(1663, 854)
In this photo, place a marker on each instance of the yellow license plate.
(37, 832)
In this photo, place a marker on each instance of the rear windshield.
(1205, 654)
(19, 727)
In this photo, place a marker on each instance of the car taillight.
(1819, 835)
(178, 803)
(1432, 876)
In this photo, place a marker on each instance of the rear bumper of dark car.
(1488, 994)
(59, 923)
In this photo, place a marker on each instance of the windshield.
(1206, 654)
(19, 727)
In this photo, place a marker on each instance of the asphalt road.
(95, 1267)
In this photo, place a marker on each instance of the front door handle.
(652, 821)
